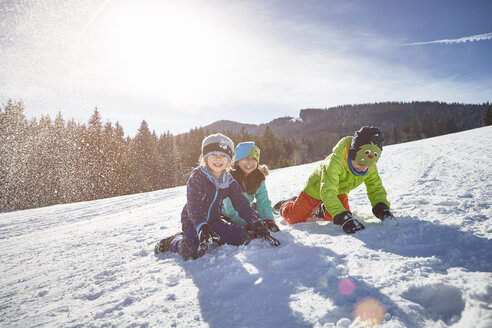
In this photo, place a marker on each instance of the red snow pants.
(299, 210)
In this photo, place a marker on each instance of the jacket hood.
(341, 149)
(221, 182)
(252, 182)
(263, 169)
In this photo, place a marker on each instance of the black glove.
(207, 238)
(382, 212)
(271, 225)
(347, 222)
(264, 234)
(260, 230)
(205, 235)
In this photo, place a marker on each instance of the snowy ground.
(91, 264)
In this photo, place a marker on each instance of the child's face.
(217, 163)
(359, 167)
(247, 165)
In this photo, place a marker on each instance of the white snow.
(92, 264)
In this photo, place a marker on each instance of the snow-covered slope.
(91, 264)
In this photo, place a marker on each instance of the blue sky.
(183, 64)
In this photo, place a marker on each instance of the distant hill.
(348, 118)
(225, 125)
(286, 141)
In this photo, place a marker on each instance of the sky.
(185, 64)
(92, 264)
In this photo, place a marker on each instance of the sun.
(165, 50)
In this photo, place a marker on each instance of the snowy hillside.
(92, 264)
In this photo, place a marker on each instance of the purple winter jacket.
(205, 197)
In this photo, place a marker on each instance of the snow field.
(91, 264)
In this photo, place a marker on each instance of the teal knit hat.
(247, 149)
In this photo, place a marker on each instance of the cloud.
(473, 38)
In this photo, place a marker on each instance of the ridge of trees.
(386, 115)
(45, 162)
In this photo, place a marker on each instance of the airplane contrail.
(94, 16)
(473, 38)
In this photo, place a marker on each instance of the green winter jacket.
(263, 204)
(333, 177)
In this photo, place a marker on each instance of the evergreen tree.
(61, 170)
(446, 125)
(123, 168)
(268, 144)
(188, 149)
(245, 136)
(115, 161)
(79, 160)
(395, 136)
(282, 162)
(14, 147)
(487, 116)
(415, 129)
(72, 166)
(144, 160)
(43, 164)
(167, 161)
(94, 160)
(429, 126)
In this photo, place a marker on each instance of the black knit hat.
(365, 136)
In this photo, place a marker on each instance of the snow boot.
(278, 206)
(163, 245)
(320, 211)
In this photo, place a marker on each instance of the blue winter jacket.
(205, 197)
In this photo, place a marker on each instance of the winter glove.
(206, 238)
(264, 234)
(347, 222)
(260, 230)
(382, 212)
(271, 225)
(205, 234)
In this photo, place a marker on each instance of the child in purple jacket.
(209, 184)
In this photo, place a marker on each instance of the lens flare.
(369, 311)
(323, 281)
(346, 286)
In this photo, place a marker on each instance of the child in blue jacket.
(208, 186)
(251, 177)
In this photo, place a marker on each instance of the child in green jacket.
(352, 162)
(251, 177)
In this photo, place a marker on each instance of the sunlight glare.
(369, 311)
(166, 50)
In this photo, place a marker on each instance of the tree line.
(52, 161)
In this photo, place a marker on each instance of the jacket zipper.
(210, 208)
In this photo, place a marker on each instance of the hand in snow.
(347, 222)
(382, 212)
(263, 233)
(260, 230)
(271, 225)
(206, 236)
